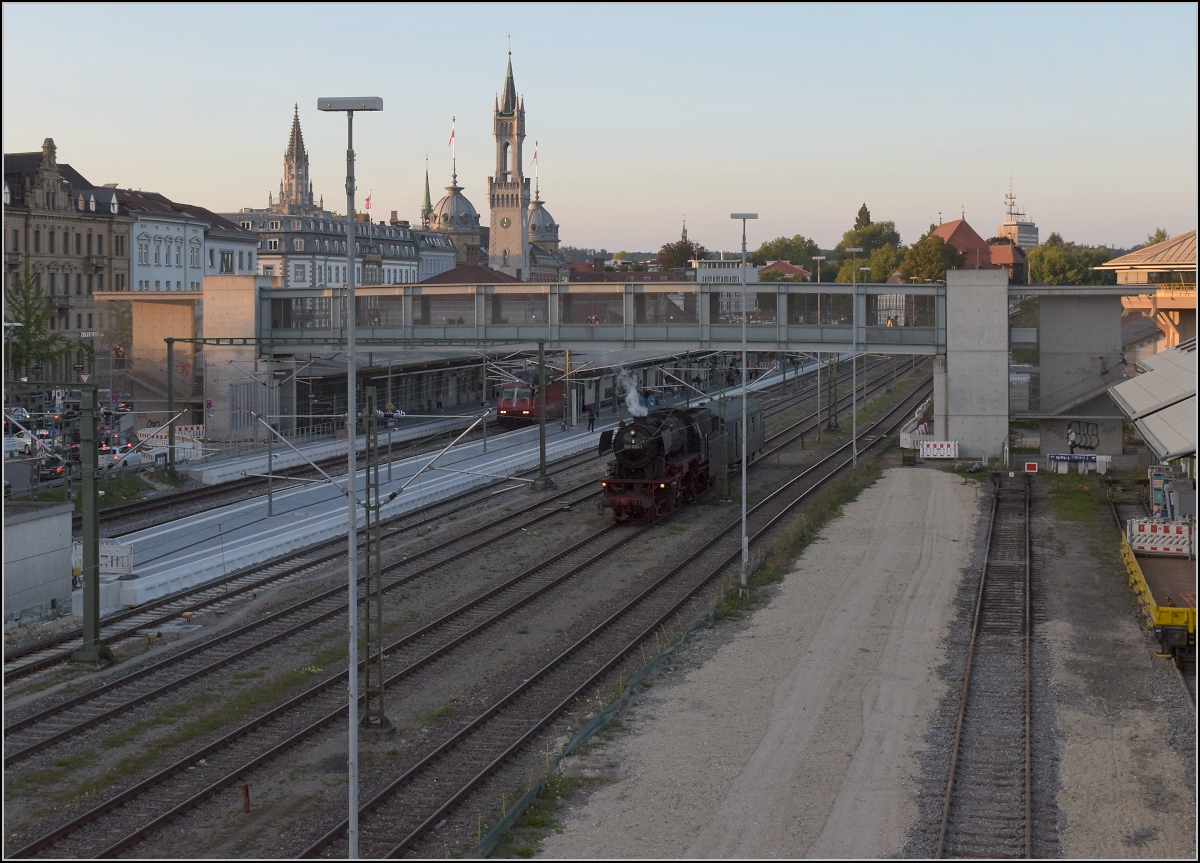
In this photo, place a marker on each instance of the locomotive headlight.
(604, 485)
(525, 412)
(662, 485)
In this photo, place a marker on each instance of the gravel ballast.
(799, 736)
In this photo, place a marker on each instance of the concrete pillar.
(977, 361)
(939, 397)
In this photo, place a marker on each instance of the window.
(226, 262)
(241, 262)
(89, 244)
(52, 278)
(99, 244)
(212, 258)
(298, 245)
(52, 319)
(178, 255)
(247, 225)
(298, 272)
(296, 224)
(79, 284)
(37, 241)
(194, 255)
(79, 322)
(157, 254)
(143, 252)
(272, 245)
(158, 284)
(78, 242)
(50, 242)
(90, 326)
(89, 283)
(17, 240)
(274, 226)
(99, 281)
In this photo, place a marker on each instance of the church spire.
(508, 102)
(684, 227)
(427, 207)
(296, 141)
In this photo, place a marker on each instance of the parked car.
(52, 467)
(125, 456)
(35, 441)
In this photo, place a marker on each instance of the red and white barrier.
(939, 449)
(158, 434)
(1157, 537)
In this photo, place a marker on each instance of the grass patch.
(443, 712)
(61, 768)
(118, 490)
(1075, 497)
(541, 817)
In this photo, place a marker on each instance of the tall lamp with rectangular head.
(349, 105)
(745, 541)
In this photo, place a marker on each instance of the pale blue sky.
(644, 112)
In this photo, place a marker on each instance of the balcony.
(91, 263)
(12, 259)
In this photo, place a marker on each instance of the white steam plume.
(633, 398)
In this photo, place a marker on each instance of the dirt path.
(798, 738)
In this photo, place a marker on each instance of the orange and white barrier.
(939, 449)
(1147, 536)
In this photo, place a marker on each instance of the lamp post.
(350, 105)
(818, 259)
(854, 358)
(745, 540)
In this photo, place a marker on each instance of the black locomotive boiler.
(667, 458)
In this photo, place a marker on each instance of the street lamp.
(854, 357)
(818, 259)
(350, 105)
(745, 540)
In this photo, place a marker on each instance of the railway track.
(44, 653)
(131, 804)
(988, 805)
(394, 820)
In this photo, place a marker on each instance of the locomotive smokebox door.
(606, 441)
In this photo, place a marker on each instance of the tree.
(798, 250)
(863, 219)
(865, 235)
(677, 254)
(929, 258)
(1058, 262)
(1159, 235)
(883, 262)
(32, 343)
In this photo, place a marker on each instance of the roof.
(508, 102)
(786, 268)
(470, 274)
(966, 242)
(1171, 432)
(155, 204)
(1004, 254)
(1162, 400)
(1177, 252)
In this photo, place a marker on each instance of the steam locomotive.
(669, 457)
(517, 404)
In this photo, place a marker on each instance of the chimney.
(393, 221)
(598, 265)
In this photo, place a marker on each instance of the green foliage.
(677, 254)
(883, 262)
(798, 250)
(863, 220)
(1158, 235)
(1057, 262)
(32, 343)
(929, 258)
(866, 235)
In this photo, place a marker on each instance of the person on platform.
(591, 418)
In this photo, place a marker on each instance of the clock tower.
(508, 190)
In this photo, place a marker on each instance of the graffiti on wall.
(1082, 435)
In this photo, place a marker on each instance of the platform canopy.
(1162, 401)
